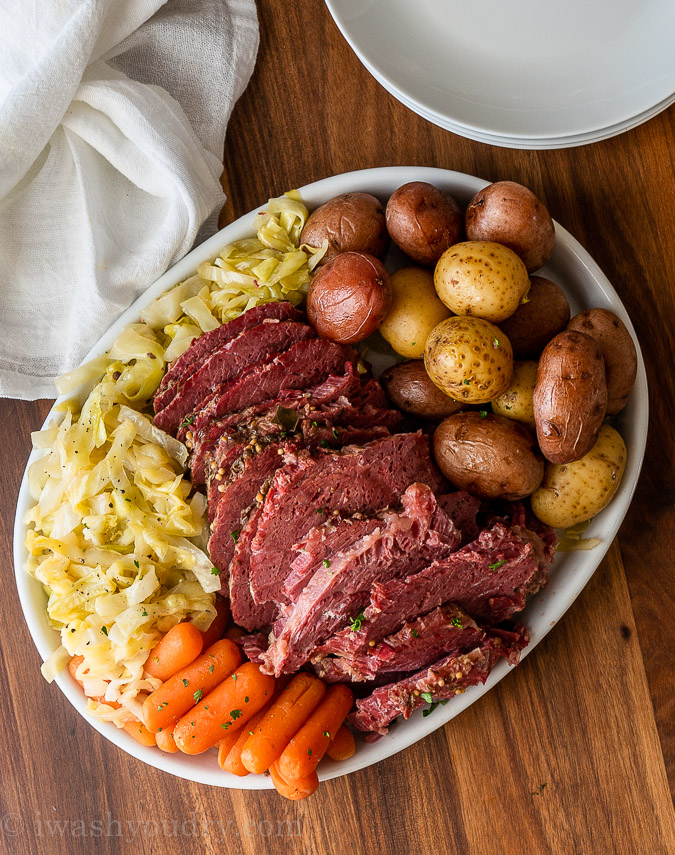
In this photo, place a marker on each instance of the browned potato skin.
(349, 297)
(508, 213)
(423, 221)
(350, 222)
(489, 456)
(536, 322)
(409, 387)
(570, 396)
(618, 351)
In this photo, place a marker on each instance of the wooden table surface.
(575, 751)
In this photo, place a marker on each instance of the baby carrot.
(165, 740)
(283, 720)
(226, 744)
(307, 747)
(140, 732)
(218, 624)
(300, 788)
(342, 745)
(178, 648)
(229, 706)
(175, 697)
(73, 665)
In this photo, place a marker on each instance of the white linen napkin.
(112, 122)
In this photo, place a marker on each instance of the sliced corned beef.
(244, 611)
(253, 646)
(444, 631)
(446, 678)
(239, 491)
(302, 365)
(462, 508)
(490, 578)
(308, 487)
(403, 542)
(203, 443)
(201, 347)
(254, 345)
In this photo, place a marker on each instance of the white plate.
(523, 70)
(586, 287)
(531, 145)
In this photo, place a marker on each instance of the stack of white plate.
(532, 74)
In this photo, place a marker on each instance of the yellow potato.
(516, 402)
(481, 278)
(574, 492)
(415, 311)
(469, 359)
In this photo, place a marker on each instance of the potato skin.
(350, 222)
(423, 221)
(508, 213)
(618, 351)
(481, 278)
(349, 297)
(415, 310)
(516, 402)
(469, 359)
(572, 493)
(409, 388)
(570, 397)
(489, 456)
(537, 321)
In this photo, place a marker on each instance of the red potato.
(510, 214)
(352, 222)
(349, 297)
(423, 221)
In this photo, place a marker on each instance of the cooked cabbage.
(115, 533)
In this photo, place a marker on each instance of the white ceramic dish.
(585, 285)
(530, 144)
(524, 71)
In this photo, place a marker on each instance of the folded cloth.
(112, 122)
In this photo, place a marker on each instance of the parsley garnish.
(145, 614)
(215, 571)
(415, 633)
(235, 714)
(326, 733)
(309, 752)
(246, 699)
(457, 622)
(426, 696)
(496, 342)
(185, 683)
(235, 534)
(186, 421)
(356, 622)
(466, 382)
(326, 562)
(211, 670)
(497, 564)
(136, 564)
(234, 676)
(104, 630)
(428, 711)
(483, 414)
(335, 433)
(198, 695)
(320, 511)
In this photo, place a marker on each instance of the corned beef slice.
(239, 492)
(204, 442)
(490, 578)
(244, 611)
(258, 344)
(304, 364)
(462, 508)
(201, 347)
(403, 542)
(307, 488)
(442, 680)
(444, 631)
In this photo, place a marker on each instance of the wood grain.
(574, 751)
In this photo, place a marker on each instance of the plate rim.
(342, 23)
(404, 735)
